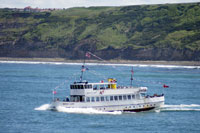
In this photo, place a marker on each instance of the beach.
(63, 60)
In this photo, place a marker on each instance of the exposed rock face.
(78, 52)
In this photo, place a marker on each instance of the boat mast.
(82, 70)
(132, 76)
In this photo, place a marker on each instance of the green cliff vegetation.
(129, 31)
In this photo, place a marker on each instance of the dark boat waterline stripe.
(138, 110)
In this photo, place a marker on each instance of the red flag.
(88, 55)
(83, 69)
(54, 92)
(165, 86)
(132, 71)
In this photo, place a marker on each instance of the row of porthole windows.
(147, 105)
(136, 106)
(112, 98)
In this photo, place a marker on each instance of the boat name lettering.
(68, 103)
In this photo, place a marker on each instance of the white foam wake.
(43, 107)
(181, 107)
(85, 111)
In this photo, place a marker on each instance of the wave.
(102, 64)
(181, 107)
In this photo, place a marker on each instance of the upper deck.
(102, 88)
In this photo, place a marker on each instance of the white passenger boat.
(108, 96)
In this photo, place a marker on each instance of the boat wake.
(43, 107)
(181, 107)
(165, 108)
(85, 111)
(77, 110)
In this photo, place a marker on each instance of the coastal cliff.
(148, 32)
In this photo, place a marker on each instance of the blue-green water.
(25, 87)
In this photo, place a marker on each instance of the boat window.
(129, 97)
(77, 99)
(111, 98)
(107, 98)
(133, 96)
(120, 97)
(89, 86)
(83, 98)
(142, 94)
(72, 98)
(124, 97)
(81, 86)
(116, 98)
(95, 87)
(102, 87)
(85, 86)
(71, 86)
(92, 99)
(88, 99)
(76, 87)
(102, 98)
(97, 99)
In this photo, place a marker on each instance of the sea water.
(26, 93)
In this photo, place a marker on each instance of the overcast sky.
(82, 3)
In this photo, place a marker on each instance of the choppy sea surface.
(26, 93)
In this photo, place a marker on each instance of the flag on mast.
(54, 92)
(88, 55)
(132, 71)
(165, 86)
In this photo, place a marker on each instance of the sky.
(82, 3)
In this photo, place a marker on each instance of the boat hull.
(145, 104)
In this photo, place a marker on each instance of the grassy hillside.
(148, 32)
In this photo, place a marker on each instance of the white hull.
(135, 105)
